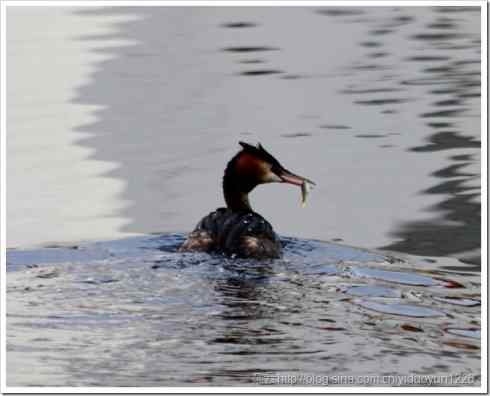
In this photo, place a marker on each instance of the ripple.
(462, 345)
(415, 311)
(335, 126)
(376, 55)
(244, 49)
(251, 61)
(293, 77)
(99, 280)
(444, 70)
(461, 301)
(441, 25)
(471, 332)
(380, 32)
(340, 11)
(405, 278)
(238, 25)
(373, 291)
(368, 67)
(262, 72)
(294, 135)
(369, 91)
(442, 113)
(428, 58)
(447, 140)
(437, 36)
(457, 10)
(380, 102)
(409, 327)
(404, 18)
(448, 102)
(371, 44)
(438, 125)
(370, 136)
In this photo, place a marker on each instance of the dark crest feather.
(260, 152)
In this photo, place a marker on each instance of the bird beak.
(291, 178)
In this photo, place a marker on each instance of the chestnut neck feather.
(236, 187)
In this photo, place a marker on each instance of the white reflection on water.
(56, 191)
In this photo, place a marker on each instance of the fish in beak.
(305, 184)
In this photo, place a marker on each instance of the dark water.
(380, 106)
(134, 312)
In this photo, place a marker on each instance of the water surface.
(134, 312)
(124, 127)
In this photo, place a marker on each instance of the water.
(135, 312)
(125, 129)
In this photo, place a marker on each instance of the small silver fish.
(305, 189)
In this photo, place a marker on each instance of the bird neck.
(237, 188)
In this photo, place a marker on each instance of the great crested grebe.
(237, 230)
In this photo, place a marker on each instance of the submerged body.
(237, 230)
(240, 234)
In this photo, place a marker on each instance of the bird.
(237, 231)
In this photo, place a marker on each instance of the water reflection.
(461, 223)
(440, 41)
(447, 140)
(244, 299)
